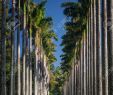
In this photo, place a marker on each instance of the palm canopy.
(71, 9)
(75, 26)
(42, 30)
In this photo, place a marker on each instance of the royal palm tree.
(13, 51)
(18, 53)
(43, 35)
(99, 47)
(95, 47)
(36, 25)
(30, 48)
(105, 47)
(24, 47)
(109, 28)
(71, 38)
(111, 40)
(3, 43)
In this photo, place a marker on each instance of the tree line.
(87, 66)
(26, 48)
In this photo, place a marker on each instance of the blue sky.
(53, 9)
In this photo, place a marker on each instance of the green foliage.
(75, 26)
(42, 30)
(71, 40)
(56, 81)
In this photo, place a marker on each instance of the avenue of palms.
(27, 48)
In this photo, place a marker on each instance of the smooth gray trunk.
(72, 79)
(87, 58)
(18, 55)
(95, 47)
(90, 51)
(109, 30)
(105, 48)
(81, 63)
(111, 38)
(36, 72)
(30, 67)
(12, 85)
(24, 54)
(84, 63)
(75, 81)
(92, 48)
(99, 45)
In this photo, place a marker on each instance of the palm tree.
(24, 48)
(3, 91)
(95, 47)
(105, 47)
(81, 69)
(43, 35)
(27, 48)
(18, 53)
(99, 47)
(70, 39)
(91, 49)
(109, 20)
(73, 37)
(84, 63)
(110, 45)
(111, 40)
(30, 50)
(13, 50)
(45, 43)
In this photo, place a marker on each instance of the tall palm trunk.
(84, 62)
(77, 81)
(27, 65)
(27, 51)
(69, 86)
(111, 38)
(37, 64)
(74, 77)
(13, 50)
(30, 52)
(70, 90)
(91, 50)
(99, 47)
(24, 48)
(79, 74)
(105, 48)
(3, 43)
(36, 71)
(18, 53)
(109, 29)
(78, 77)
(72, 80)
(37, 86)
(30, 56)
(95, 47)
(87, 55)
(81, 63)
(79, 92)
(65, 86)
(28, 46)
